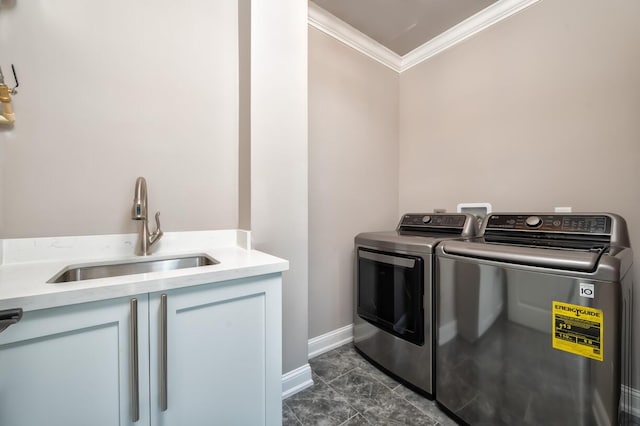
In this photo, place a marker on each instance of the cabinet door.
(223, 352)
(71, 366)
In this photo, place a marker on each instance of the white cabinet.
(223, 354)
(222, 346)
(71, 365)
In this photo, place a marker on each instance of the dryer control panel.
(462, 224)
(432, 220)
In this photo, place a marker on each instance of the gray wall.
(108, 92)
(541, 110)
(353, 175)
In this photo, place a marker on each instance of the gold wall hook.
(6, 112)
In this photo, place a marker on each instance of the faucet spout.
(139, 209)
(146, 239)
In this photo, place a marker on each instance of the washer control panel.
(432, 220)
(564, 223)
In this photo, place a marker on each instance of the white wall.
(539, 111)
(279, 161)
(110, 91)
(353, 169)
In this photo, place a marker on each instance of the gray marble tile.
(376, 402)
(320, 405)
(288, 416)
(349, 391)
(349, 351)
(331, 365)
(427, 406)
(374, 372)
(316, 378)
(359, 387)
(396, 412)
(316, 418)
(357, 420)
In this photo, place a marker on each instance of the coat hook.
(15, 78)
(12, 90)
(6, 110)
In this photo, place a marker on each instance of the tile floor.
(349, 391)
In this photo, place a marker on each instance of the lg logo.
(587, 290)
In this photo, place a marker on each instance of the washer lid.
(584, 261)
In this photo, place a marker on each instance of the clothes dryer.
(393, 315)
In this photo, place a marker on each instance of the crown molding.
(480, 21)
(345, 33)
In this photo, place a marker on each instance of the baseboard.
(331, 340)
(296, 380)
(634, 396)
(299, 379)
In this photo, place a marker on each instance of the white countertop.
(28, 263)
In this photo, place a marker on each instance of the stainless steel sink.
(135, 266)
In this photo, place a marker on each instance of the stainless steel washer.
(393, 316)
(533, 320)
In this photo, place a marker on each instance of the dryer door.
(390, 293)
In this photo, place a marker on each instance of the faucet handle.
(158, 232)
(158, 222)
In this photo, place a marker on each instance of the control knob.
(533, 221)
(426, 219)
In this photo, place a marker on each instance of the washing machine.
(393, 314)
(533, 321)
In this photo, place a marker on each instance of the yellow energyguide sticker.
(578, 329)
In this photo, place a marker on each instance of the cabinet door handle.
(164, 397)
(133, 336)
(9, 317)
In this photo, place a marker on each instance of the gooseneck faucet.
(146, 239)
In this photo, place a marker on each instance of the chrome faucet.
(146, 239)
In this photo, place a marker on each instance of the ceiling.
(403, 25)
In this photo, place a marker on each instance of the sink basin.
(134, 266)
